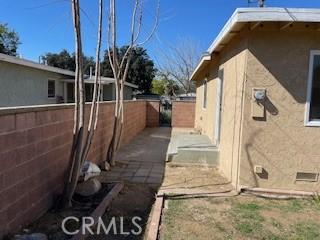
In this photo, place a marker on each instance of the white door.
(218, 107)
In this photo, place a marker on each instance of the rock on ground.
(88, 188)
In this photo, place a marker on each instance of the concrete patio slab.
(187, 146)
(142, 160)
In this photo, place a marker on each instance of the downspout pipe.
(277, 193)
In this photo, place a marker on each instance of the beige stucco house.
(23, 82)
(258, 98)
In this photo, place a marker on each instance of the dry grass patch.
(193, 178)
(242, 217)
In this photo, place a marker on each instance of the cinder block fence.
(153, 109)
(183, 114)
(35, 145)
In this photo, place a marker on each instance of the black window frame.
(51, 88)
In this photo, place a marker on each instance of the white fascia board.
(131, 85)
(203, 59)
(226, 29)
(31, 64)
(104, 81)
(111, 80)
(247, 15)
(90, 81)
(278, 15)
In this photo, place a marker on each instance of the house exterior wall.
(232, 61)
(108, 92)
(205, 117)
(278, 61)
(21, 85)
(128, 93)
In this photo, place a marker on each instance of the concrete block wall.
(183, 114)
(153, 109)
(35, 144)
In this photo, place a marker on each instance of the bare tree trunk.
(76, 151)
(120, 71)
(79, 150)
(94, 112)
(112, 54)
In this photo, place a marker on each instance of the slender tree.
(94, 112)
(120, 66)
(81, 146)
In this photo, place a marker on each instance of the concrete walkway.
(143, 159)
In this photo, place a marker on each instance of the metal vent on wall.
(309, 177)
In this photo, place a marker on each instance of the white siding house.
(24, 82)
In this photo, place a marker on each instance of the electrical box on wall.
(258, 169)
(257, 102)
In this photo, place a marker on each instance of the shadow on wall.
(268, 107)
(287, 62)
(279, 142)
(250, 171)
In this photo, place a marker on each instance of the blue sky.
(46, 25)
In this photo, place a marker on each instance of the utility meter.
(259, 95)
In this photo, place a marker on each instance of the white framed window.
(205, 94)
(51, 88)
(312, 112)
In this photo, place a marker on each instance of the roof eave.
(31, 64)
(256, 15)
(203, 62)
(104, 81)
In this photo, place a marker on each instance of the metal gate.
(165, 112)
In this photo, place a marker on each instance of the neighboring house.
(147, 96)
(258, 98)
(24, 82)
(187, 97)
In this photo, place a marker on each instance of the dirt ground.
(193, 179)
(135, 200)
(50, 223)
(241, 217)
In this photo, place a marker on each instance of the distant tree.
(66, 60)
(178, 62)
(62, 60)
(158, 86)
(170, 86)
(9, 40)
(141, 69)
(162, 85)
